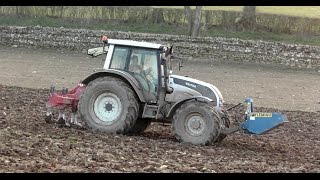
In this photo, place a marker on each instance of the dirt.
(28, 144)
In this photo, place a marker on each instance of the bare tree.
(248, 19)
(194, 20)
(18, 11)
(188, 14)
(249, 14)
(157, 15)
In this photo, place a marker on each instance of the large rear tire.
(109, 105)
(196, 123)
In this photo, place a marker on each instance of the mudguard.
(119, 74)
(179, 103)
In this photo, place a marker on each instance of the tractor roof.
(135, 43)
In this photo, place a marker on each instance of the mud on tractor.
(136, 86)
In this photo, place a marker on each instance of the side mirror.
(171, 50)
(162, 56)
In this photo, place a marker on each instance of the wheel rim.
(195, 124)
(107, 107)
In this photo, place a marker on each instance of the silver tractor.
(136, 86)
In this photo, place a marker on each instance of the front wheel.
(197, 123)
(225, 123)
(109, 105)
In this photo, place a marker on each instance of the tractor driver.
(134, 66)
(150, 67)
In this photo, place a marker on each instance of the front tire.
(225, 122)
(196, 123)
(109, 105)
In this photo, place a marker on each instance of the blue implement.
(259, 123)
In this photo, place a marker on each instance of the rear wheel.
(109, 105)
(197, 123)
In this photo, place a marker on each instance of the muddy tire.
(108, 105)
(140, 126)
(196, 123)
(225, 122)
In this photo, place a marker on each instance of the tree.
(157, 16)
(249, 14)
(248, 19)
(194, 20)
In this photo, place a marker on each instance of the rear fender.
(196, 98)
(126, 77)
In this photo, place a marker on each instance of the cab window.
(119, 58)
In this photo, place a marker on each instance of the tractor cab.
(145, 62)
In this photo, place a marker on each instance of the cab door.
(142, 64)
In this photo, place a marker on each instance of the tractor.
(136, 86)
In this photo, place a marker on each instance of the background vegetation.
(292, 24)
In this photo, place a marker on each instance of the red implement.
(61, 100)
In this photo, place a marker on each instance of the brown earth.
(28, 144)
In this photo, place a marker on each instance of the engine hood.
(198, 86)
